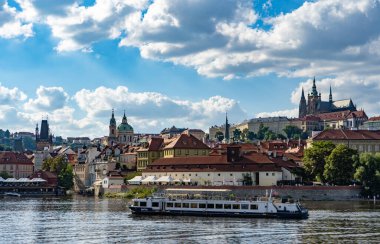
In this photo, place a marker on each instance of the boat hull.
(282, 215)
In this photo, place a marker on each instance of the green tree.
(1, 134)
(29, 143)
(368, 172)
(281, 137)
(237, 134)
(262, 130)
(244, 134)
(314, 159)
(292, 131)
(7, 134)
(62, 168)
(219, 136)
(66, 176)
(251, 135)
(339, 167)
(5, 175)
(270, 135)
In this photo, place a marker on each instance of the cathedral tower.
(112, 126)
(302, 111)
(314, 101)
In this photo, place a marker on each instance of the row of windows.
(211, 205)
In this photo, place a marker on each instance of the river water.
(89, 220)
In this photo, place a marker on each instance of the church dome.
(124, 127)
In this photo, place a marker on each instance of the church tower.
(330, 96)
(227, 131)
(112, 126)
(302, 111)
(314, 100)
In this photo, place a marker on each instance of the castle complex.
(315, 105)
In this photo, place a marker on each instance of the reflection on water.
(88, 220)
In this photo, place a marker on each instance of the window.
(273, 174)
(142, 204)
(155, 204)
(189, 174)
(169, 205)
(236, 206)
(219, 206)
(193, 205)
(244, 206)
(227, 206)
(230, 174)
(210, 205)
(136, 204)
(218, 174)
(177, 205)
(254, 207)
(267, 174)
(185, 205)
(202, 205)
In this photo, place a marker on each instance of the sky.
(180, 62)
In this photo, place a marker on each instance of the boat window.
(169, 205)
(155, 204)
(185, 205)
(194, 205)
(227, 206)
(218, 206)
(254, 206)
(136, 204)
(202, 205)
(177, 205)
(142, 204)
(210, 205)
(236, 206)
(244, 206)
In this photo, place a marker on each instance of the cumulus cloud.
(48, 99)
(153, 111)
(290, 113)
(14, 23)
(8, 96)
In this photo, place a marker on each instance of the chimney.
(233, 153)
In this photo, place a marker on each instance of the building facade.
(16, 164)
(44, 138)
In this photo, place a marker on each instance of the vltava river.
(89, 220)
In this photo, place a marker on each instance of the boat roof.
(198, 190)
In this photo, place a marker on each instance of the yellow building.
(16, 164)
(186, 145)
(153, 151)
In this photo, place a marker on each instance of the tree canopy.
(315, 158)
(368, 172)
(62, 168)
(292, 132)
(237, 134)
(339, 167)
(219, 136)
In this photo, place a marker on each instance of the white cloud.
(290, 113)
(48, 99)
(8, 96)
(13, 23)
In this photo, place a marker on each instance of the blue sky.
(180, 62)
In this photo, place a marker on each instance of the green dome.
(125, 127)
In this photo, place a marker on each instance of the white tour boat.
(258, 207)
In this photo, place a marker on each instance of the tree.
(292, 131)
(262, 131)
(7, 134)
(219, 136)
(62, 168)
(281, 136)
(251, 135)
(339, 167)
(117, 165)
(270, 135)
(1, 134)
(66, 176)
(29, 143)
(368, 172)
(244, 134)
(315, 158)
(5, 175)
(237, 134)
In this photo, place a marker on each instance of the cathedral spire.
(112, 120)
(314, 91)
(302, 107)
(124, 118)
(303, 94)
(330, 96)
(227, 131)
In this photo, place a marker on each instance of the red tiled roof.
(377, 118)
(347, 114)
(14, 158)
(155, 144)
(348, 135)
(185, 141)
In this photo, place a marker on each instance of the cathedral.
(44, 139)
(315, 105)
(121, 134)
